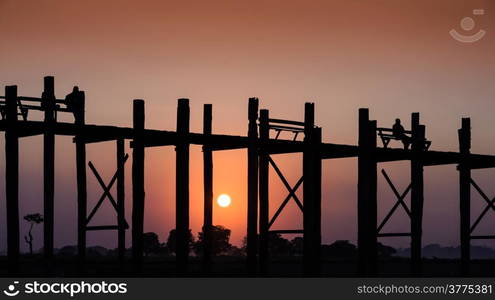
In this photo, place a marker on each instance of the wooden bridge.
(260, 144)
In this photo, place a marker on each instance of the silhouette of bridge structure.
(262, 141)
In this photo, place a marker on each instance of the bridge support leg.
(263, 192)
(12, 179)
(79, 115)
(182, 187)
(312, 194)
(121, 199)
(367, 196)
(417, 194)
(465, 194)
(208, 191)
(252, 209)
(48, 102)
(138, 184)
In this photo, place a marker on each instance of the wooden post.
(417, 192)
(263, 191)
(208, 190)
(252, 209)
(311, 193)
(367, 198)
(317, 139)
(362, 191)
(182, 186)
(121, 199)
(48, 104)
(465, 194)
(138, 184)
(308, 178)
(312, 203)
(79, 115)
(12, 179)
(372, 201)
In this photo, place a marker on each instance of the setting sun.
(224, 200)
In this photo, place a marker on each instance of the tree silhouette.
(297, 246)
(32, 219)
(339, 249)
(220, 237)
(385, 251)
(172, 237)
(151, 244)
(278, 245)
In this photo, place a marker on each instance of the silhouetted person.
(75, 103)
(71, 98)
(400, 134)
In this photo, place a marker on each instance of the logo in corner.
(11, 290)
(467, 24)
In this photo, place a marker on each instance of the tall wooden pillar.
(367, 195)
(12, 178)
(79, 115)
(48, 104)
(182, 186)
(372, 204)
(311, 194)
(138, 183)
(465, 194)
(208, 190)
(308, 193)
(252, 209)
(417, 192)
(264, 131)
(121, 198)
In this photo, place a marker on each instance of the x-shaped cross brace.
(400, 201)
(292, 192)
(490, 204)
(106, 191)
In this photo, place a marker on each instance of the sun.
(224, 200)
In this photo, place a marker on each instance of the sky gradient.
(395, 57)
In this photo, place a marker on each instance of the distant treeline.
(278, 246)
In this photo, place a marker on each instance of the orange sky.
(394, 57)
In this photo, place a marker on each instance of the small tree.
(172, 240)
(385, 251)
(151, 244)
(32, 219)
(220, 237)
(277, 245)
(297, 246)
(341, 249)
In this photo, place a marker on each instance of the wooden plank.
(290, 122)
(482, 237)
(393, 234)
(288, 231)
(102, 227)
